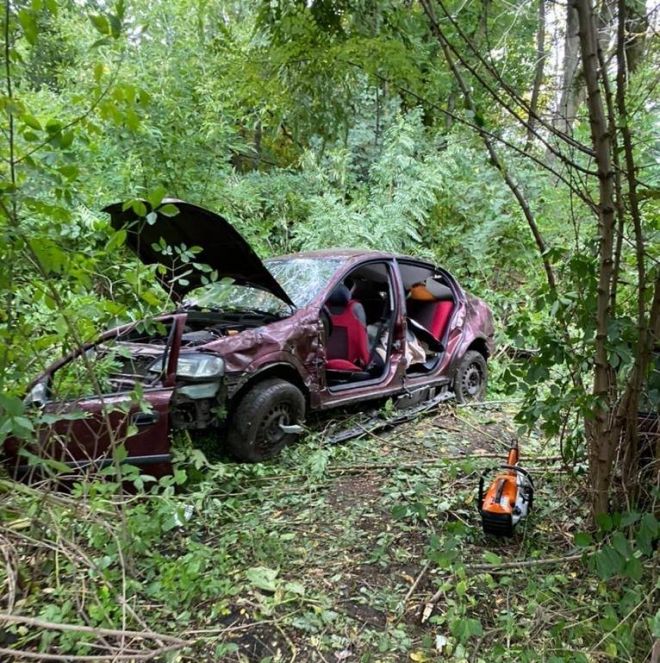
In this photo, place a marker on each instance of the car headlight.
(195, 366)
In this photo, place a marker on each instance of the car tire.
(254, 432)
(471, 378)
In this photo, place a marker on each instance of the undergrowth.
(367, 551)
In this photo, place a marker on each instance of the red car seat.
(431, 305)
(348, 343)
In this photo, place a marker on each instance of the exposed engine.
(203, 327)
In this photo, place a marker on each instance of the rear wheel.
(471, 378)
(255, 429)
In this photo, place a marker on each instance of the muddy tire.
(471, 378)
(254, 432)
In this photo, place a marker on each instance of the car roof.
(347, 254)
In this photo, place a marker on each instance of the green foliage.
(308, 125)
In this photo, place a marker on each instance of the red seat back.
(434, 315)
(349, 339)
(440, 318)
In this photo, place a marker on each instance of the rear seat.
(431, 304)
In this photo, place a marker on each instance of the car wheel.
(255, 432)
(471, 378)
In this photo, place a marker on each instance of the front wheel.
(255, 428)
(471, 378)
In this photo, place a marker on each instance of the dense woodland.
(513, 142)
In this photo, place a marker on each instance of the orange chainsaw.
(509, 497)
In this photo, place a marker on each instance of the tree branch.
(515, 190)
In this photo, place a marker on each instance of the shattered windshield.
(301, 278)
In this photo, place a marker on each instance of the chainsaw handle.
(517, 469)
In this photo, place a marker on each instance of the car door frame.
(453, 335)
(392, 382)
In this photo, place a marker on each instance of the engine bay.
(204, 327)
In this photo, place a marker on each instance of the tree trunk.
(538, 75)
(645, 325)
(571, 87)
(602, 428)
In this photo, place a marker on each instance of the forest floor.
(344, 547)
(366, 551)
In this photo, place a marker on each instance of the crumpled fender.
(293, 342)
(476, 326)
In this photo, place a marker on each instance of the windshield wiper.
(252, 309)
(217, 308)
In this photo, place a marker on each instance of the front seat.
(348, 343)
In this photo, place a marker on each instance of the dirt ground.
(366, 525)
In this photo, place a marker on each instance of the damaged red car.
(255, 346)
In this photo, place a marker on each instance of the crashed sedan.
(254, 346)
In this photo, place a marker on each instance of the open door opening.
(430, 304)
(359, 316)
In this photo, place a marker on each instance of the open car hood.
(223, 247)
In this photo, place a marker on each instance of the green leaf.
(465, 628)
(648, 532)
(656, 624)
(609, 563)
(51, 258)
(101, 23)
(115, 27)
(621, 545)
(399, 511)
(138, 207)
(11, 405)
(66, 139)
(56, 465)
(582, 539)
(69, 171)
(119, 453)
(492, 558)
(118, 238)
(28, 22)
(263, 578)
(295, 588)
(633, 569)
(53, 126)
(156, 196)
(99, 70)
(168, 210)
(629, 518)
(104, 41)
(31, 121)
(604, 521)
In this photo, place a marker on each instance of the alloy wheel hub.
(472, 380)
